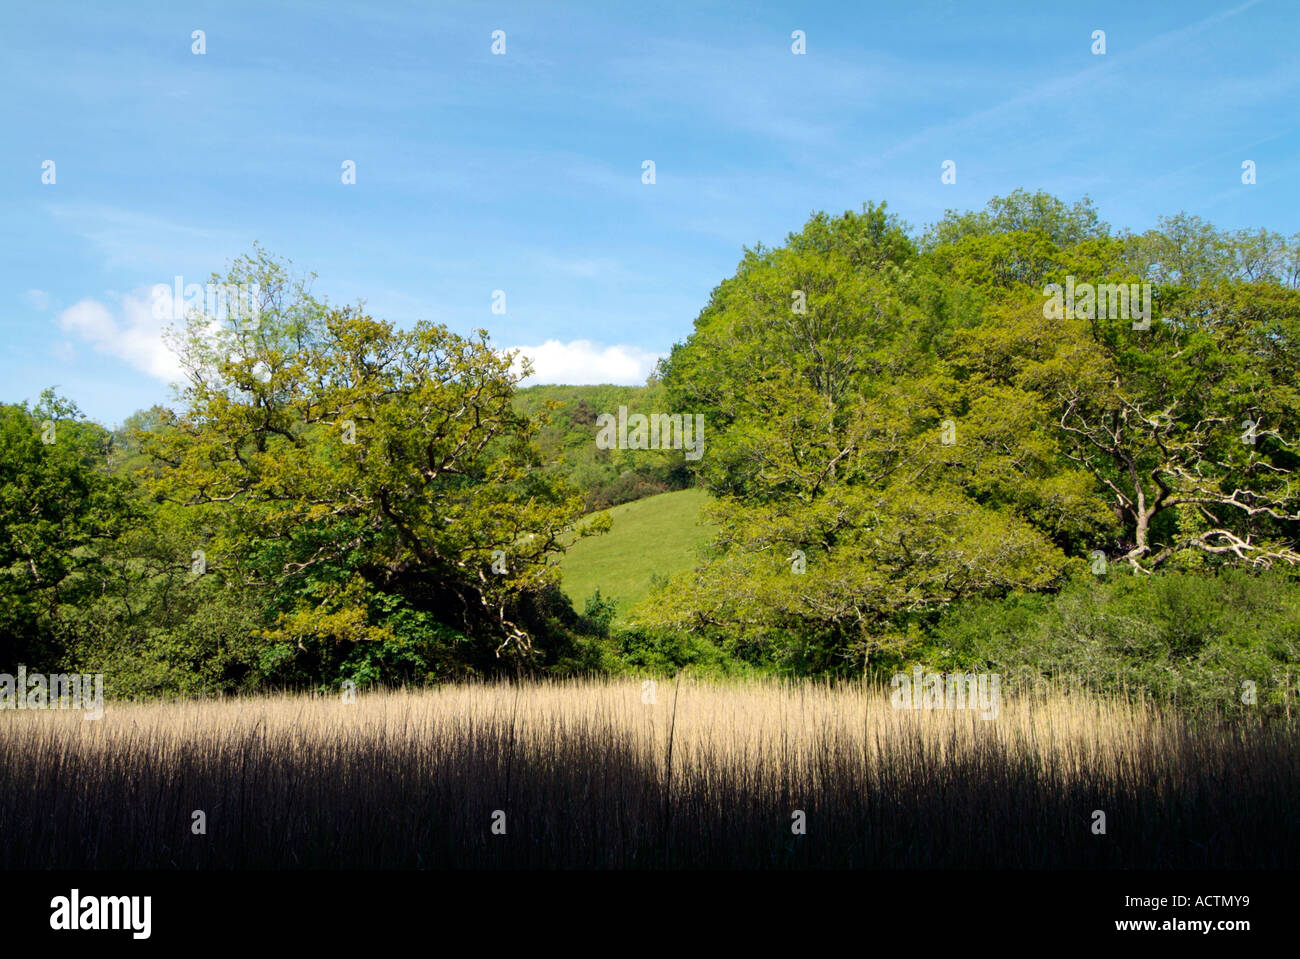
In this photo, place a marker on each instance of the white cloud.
(128, 332)
(38, 298)
(584, 362)
(136, 240)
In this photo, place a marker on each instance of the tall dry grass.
(590, 776)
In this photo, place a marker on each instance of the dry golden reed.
(588, 774)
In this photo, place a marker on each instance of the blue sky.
(523, 172)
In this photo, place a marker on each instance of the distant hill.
(656, 536)
(568, 442)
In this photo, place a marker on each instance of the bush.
(1195, 639)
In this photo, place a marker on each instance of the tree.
(894, 431)
(1038, 213)
(1190, 426)
(1186, 251)
(843, 510)
(367, 476)
(60, 510)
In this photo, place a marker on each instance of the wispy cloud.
(762, 89)
(1058, 87)
(38, 299)
(130, 239)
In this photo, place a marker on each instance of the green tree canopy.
(354, 469)
(895, 428)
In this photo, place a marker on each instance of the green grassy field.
(658, 534)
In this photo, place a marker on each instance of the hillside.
(568, 443)
(659, 535)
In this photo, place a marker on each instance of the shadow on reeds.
(589, 776)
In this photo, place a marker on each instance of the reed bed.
(588, 775)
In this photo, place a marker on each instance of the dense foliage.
(932, 445)
(901, 427)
